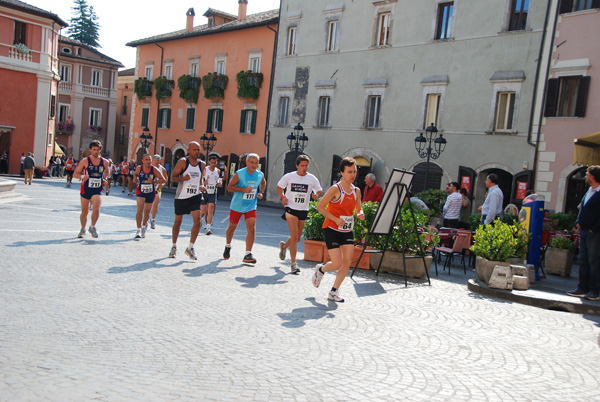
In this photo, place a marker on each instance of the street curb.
(580, 306)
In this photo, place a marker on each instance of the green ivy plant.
(313, 225)
(249, 84)
(142, 87)
(214, 85)
(361, 228)
(189, 88)
(500, 241)
(563, 242)
(163, 87)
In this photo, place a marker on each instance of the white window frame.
(323, 111)
(376, 116)
(286, 115)
(500, 87)
(374, 87)
(220, 64)
(122, 134)
(64, 106)
(333, 35)
(248, 121)
(68, 68)
(291, 42)
(433, 85)
(149, 72)
(507, 112)
(96, 78)
(95, 117)
(194, 67)
(215, 118)
(384, 20)
(164, 112)
(168, 70)
(432, 115)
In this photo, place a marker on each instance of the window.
(432, 110)
(383, 29)
(291, 44)
(164, 118)
(145, 115)
(568, 6)
(194, 68)
(373, 111)
(214, 121)
(162, 150)
(65, 73)
(96, 78)
(332, 36)
(248, 121)
(505, 107)
(567, 96)
(169, 71)
(95, 117)
(20, 30)
(323, 113)
(255, 64)
(190, 116)
(63, 113)
(220, 66)
(148, 73)
(284, 108)
(444, 21)
(122, 134)
(52, 105)
(518, 15)
(124, 106)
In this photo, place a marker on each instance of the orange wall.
(236, 45)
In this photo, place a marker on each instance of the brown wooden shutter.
(582, 95)
(566, 6)
(551, 97)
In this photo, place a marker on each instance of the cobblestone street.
(114, 319)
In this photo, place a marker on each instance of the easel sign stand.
(385, 219)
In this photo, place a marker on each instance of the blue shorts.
(89, 194)
(148, 196)
(209, 198)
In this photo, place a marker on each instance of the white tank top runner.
(190, 188)
(211, 179)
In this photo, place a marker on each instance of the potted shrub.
(414, 244)
(249, 84)
(142, 87)
(494, 244)
(189, 88)
(435, 200)
(361, 228)
(314, 244)
(214, 85)
(163, 87)
(559, 256)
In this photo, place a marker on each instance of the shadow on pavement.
(68, 240)
(297, 317)
(143, 266)
(263, 279)
(209, 268)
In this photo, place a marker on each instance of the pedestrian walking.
(28, 167)
(212, 180)
(247, 186)
(156, 163)
(188, 174)
(338, 206)
(146, 177)
(92, 171)
(296, 190)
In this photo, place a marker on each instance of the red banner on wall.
(521, 190)
(465, 182)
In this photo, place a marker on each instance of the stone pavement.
(113, 319)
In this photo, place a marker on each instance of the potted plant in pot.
(405, 239)
(559, 255)
(494, 244)
(361, 229)
(314, 239)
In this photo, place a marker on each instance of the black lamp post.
(208, 143)
(297, 139)
(424, 149)
(146, 137)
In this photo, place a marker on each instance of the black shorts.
(209, 198)
(301, 215)
(187, 205)
(335, 239)
(69, 173)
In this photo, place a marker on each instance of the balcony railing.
(65, 86)
(89, 90)
(13, 53)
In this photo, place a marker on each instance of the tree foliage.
(84, 26)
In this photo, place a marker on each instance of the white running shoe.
(282, 250)
(81, 233)
(144, 228)
(295, 269)
(335, 296)
(190, 253)
(152, 224)
(208, 232)
(316, 279)
(173, 252)
(93, 231)
(138, 234)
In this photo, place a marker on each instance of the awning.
(58, 150)
(587, 150)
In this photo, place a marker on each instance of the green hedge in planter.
(434, 199)
(249, 84)
(564, 221)
(563, 242)
(214, 85)
(189, 88)
(500, 241)
(142, 87)
(313, 225)
(163, 87)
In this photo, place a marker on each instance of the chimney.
(243, 4)
(189, 25)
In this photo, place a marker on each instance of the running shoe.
(81, 233)
(173, 252)
(335, 296)
(129, 194)
(190, 253)
(93, 231)
(144, 228)
(152, 224)
(208, 232)
(123, 191)
(316, 279)
(68, 185)
(282, 250)
(249, 258)
(295, 269)
(226, 253)
(107, 192)
(138, 234)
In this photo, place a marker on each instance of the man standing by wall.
(492, 207)
(588, 224)
(28, 166)
(373, 191)
(452, 206)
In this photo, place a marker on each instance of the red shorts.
(234, 216)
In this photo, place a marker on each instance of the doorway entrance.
(576, 188)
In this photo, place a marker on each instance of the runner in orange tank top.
(338, 206)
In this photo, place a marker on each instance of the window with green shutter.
(214, 122)
(145, 114)
(189, 118)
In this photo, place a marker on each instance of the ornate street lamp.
(208, 143)
(146, 137)
(425, 150)
(297, 139)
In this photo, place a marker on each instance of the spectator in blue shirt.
(492, 207)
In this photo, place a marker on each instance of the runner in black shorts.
(212, 180)
(146, 178)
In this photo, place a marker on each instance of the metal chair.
(462, 241)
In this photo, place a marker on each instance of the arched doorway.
(506, 185)
(434, 177)
(363, 168)
(576, 188)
